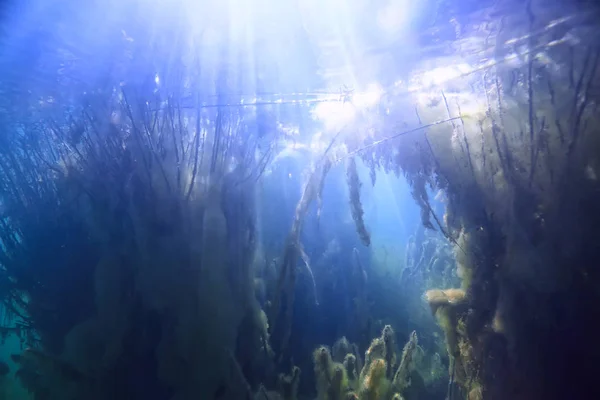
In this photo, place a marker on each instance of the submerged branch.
(306, 262)
(577, 112)
(293, 249)
(137, 137)
(530, 101)
(356, 208)
(196, 151)
(378, 142)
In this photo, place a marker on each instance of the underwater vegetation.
(161, 237)
(355, 204)
(341, 372)
(384, 373)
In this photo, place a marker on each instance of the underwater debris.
(356, 208)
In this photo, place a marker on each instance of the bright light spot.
(210, 36)
(368, 98)
(293, 145)
(544, 58)
(428, 99)
(157, 79)
(440, 75)
(290, 175)
(288, 130)
(559, 21)
(336, 114)
(392, 17)
(317, 144)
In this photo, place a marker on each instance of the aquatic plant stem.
(378, 142)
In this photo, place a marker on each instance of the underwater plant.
(381, 378)
(118, 249)
(286, 280)
(512, 141)
(355, 204)
(129, 234)
(288, 384)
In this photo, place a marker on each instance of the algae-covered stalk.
(356, 208)
(220, 321)
(323, 366)
(374, 384)
(288, 384)
(402, 376)
(286, 280)
(351, 370)
(377, 380)
(339, 383)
